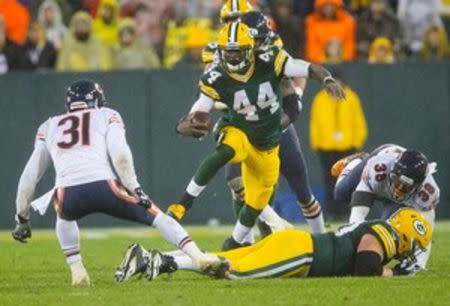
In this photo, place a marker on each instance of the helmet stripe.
(235, 5)
(232, 32)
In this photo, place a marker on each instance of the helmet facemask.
(236, 59)
(402, 187)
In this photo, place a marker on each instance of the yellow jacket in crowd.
(87, 55)
(107, 33)
(337, 125)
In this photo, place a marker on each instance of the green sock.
(212, 164)
(237, 206)
(248, 215)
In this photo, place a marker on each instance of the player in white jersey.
(80, 143)
(395, 176)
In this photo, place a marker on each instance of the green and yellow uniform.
(296, 253)
(251, 126)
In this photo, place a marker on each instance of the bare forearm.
(318, 72)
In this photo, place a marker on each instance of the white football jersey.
(77, 145)
(375, 180)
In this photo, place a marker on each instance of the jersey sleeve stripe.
(280, 62)
(387, 240)
(209, 91)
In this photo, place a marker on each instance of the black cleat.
(231, 244)
(135, 262)
(159, 264)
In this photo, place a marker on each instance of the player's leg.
(260, 171)
(68, 235)
(208, 168)
(284, 254)
(293, 168)
(234, 181)
(118, 203)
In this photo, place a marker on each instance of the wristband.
(328, 78)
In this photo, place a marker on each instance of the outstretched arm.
(301, 68)
(121, 156)
(31, 175)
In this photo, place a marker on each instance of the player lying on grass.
(249, 84)
(361, 249)
(393, 175)
(292, 163)
(80, 143)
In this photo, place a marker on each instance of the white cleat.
(135, 262)
(80, 277)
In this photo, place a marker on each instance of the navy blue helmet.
(259, 26)
(408, 173)
(84, 94)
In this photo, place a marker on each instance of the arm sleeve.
(31, 175)
(368, 263)
(296, 68)
(203, 104)
(121, 156)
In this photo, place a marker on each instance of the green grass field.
(36, 274)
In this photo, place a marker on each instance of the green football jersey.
(253, 99)
(334, 253)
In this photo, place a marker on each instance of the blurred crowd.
(84, 35)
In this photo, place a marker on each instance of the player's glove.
(22, 231)
(407, 266)
(144, 199)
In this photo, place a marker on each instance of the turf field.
(36, 274)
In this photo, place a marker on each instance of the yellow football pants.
(287, 253)
(260, 168)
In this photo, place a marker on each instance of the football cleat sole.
(135, 262)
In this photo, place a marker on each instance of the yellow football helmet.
(235, 46)
(412, 229)
(233, 9)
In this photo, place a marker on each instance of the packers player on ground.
(249, 84)
(361, 249)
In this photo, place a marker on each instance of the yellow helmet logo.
(412, 229)
(233, 9)
(235, 35)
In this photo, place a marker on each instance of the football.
(202, 120)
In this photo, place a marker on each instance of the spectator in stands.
(333, 52)
(10, 53)
(416, 16)
(151, 17)
(196, 39)
(106, 24)
(381, 51)
(130, 54)
(81, 50)
(174, 43)
(50, 16)
(16, 20)
(38, 53)
(378, 20)
(329, 21)
(288, 26)
(337, 129)
(435, 44)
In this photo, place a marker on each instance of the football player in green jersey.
(358, 249)
(249, 84)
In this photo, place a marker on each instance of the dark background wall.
(407, 104)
